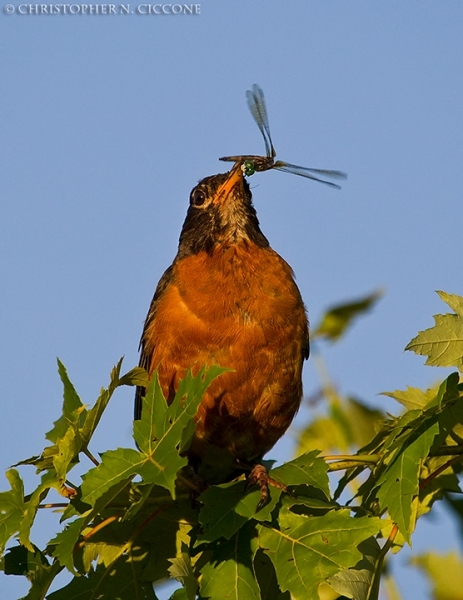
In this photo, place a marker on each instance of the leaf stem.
(97, 528)
(90, 456)
(373, 590)
(360, 458)
(344, 461)
(189, 484)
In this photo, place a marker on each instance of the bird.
(230, 299)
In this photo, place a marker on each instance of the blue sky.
(108, 121)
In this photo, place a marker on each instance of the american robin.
(229, 299)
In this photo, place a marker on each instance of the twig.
(90, 456)
(440, 470)
(456, 449)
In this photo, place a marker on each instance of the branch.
(440, 470)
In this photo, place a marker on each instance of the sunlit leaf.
(350, 424)
(413, 398)
(116, 466)
(67, 449)
(398, 485)
(93, 416)
(48, 481)
(307, 550)
(182, 571)
(11, 508)
(63, 544)
(159, 435)
(73, 409)
(307, 469)
(443, 343)
(445, 572)
(338, 318)
(136, 376)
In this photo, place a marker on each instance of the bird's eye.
(198, 198)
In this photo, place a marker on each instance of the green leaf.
(350, 424)
(359, 582)
(63, 544)
(307, 469)
(218, 516)
(398, 485)
(445, 572)
(267, 579)
(48, 480)
(413, 398)
(455, 302)
(116, 466)
(11, 508)
(443, 343)
(73, 409)
(67, 451)
(307, 550)
(229, 574)
(182, 571)
(119, 582)
(34, 565)
(450, 415)
(159, 435)
(160, 423)
(102, 553)
(248, 505)
(437, 487)
(93, 416)
(338, 318)
(227, 507)
(180, 594)
(136, 376)
(163, 534)
(21, 561)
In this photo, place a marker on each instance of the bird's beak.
(235, 178)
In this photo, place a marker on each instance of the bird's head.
(220, 213)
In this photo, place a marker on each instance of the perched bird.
(229, 299)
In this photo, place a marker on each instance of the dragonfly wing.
(311, 173)
(256, 103)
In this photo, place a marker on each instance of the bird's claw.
(259, 475)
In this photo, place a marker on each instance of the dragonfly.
(250, 163)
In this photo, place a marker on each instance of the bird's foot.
(259, 475)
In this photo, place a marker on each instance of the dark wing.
(306, 348)
(145, 355)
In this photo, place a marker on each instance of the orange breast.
(240, 308)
